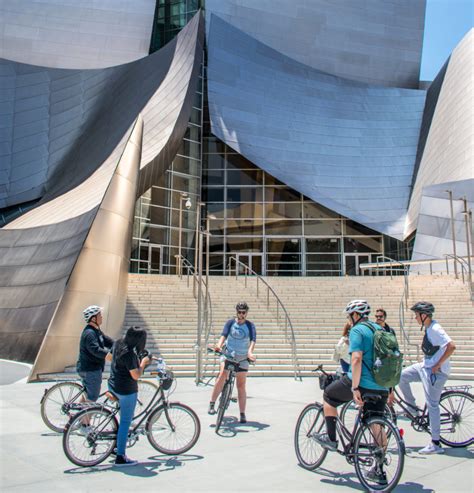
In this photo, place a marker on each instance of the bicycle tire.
(146, 392)
(309, 453)
(54, 416)
(80, 444)
(461, 415)
(183, 418)
(369, 455)
(349, 413)
(223, 404)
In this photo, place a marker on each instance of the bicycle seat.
(111, 396)
(368, 397)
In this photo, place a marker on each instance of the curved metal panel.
(100, 273)
(39, 250)
(365, 40)
(448, 153)
(346, 145)
(85, 34)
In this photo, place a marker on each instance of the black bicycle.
(456, 416)
(374, 446)
(172, 428)
(226, 393)
(64, 399)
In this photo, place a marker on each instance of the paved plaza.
(258, 456)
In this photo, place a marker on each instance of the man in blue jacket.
(95, 347)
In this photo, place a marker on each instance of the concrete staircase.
(166, 307)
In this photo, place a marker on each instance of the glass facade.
(268, 226)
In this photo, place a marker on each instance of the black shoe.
(211, 409)
(243, 419)
(376, 475)
(123, 460)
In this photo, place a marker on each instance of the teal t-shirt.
(361, 338)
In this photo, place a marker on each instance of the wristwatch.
(354, 389)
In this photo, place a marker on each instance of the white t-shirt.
(438, 337)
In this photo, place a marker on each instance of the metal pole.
(199, 321)
(208, 235)
(453, 231)
(179, 233)
(198, 220)
(468, 239)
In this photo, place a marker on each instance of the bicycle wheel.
(309, 453)
(146, 392)
(90, 436)
(223, 404)
(349, 413)
(55, 410)
(176, 435)
(379, 454)
(456, 419)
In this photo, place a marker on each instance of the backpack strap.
(372, 329)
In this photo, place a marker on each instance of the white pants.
(432, 385)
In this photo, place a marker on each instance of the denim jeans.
(92, 381)
(127, 410)
(433, 384)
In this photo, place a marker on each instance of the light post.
(467, 213)
(184, 197)
(198, 220)
(453, 232)
(199, 317)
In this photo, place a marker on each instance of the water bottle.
(377, 363)
(160, 365)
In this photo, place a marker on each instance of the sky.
(446, 23)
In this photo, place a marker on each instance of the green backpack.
(388, 360)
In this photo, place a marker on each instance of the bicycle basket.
(166, 380)
(325, 380)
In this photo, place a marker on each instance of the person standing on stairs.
(239, 336)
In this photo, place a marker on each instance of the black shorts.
(339, 392)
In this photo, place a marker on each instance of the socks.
(436, 442)
(331, 427)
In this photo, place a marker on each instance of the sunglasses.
(240, 312)
(379, 316)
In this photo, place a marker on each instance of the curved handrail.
(288, 325)
(207, 321)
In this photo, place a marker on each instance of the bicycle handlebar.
(228, 356)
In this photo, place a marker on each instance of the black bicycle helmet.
(423, 307)
(242, 306)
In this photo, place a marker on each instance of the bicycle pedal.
(233, 399)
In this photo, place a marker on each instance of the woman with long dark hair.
(126, 369)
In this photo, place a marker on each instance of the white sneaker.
(431, 448)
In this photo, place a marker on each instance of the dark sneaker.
(123, 460)
(325, 442)
(211, 409)
(243, 418)
(376, 475)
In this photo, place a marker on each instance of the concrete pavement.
(258, 456)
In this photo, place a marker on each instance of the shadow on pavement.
(464, 452)
(144, 469)
(231, 426)
(350, 480)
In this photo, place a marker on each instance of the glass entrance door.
(353, 262)
(252, 260)
(155, 259)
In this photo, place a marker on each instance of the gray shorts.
(92, 380)
(243, 365)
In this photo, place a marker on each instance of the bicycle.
(374, 447)
(172, 428)
(226, 393)
(64, 399)
(456, 416)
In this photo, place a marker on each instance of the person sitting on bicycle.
(380, 319)
(433, 372)
(94, 349)
(240, 336)
(358, 381)
(126, 369)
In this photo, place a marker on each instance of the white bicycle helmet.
(91, 311)
(358, 306)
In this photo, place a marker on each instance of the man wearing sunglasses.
(432, 372)
(380, 317)
(239, 336)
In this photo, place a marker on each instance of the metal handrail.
(289, 334)
(207, 319)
